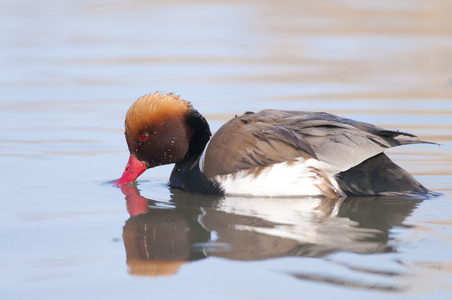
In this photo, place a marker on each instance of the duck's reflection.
(161, 236)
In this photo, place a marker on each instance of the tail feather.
(378, 175)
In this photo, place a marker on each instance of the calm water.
(71, 69)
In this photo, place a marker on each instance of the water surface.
(71, 69)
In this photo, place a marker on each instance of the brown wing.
(274, 136)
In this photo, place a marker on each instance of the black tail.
(378, 175)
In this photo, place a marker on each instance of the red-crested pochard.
(268, 153)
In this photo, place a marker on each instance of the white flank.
(203, 156)
(283, 179)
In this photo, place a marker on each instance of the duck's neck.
(186, 174)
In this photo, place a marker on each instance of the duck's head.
(159, 130)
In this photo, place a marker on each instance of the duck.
(267, 153)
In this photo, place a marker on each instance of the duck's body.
(269, 153)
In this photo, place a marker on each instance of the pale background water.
(70, 70)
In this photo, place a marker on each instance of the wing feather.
(274, 136)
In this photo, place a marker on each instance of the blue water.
(71, 69)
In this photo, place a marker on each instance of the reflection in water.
(161, 236)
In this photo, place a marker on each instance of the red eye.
(144, 136)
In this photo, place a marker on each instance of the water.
(71, 69)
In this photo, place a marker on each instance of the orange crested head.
(152, 109)
(158, 132)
